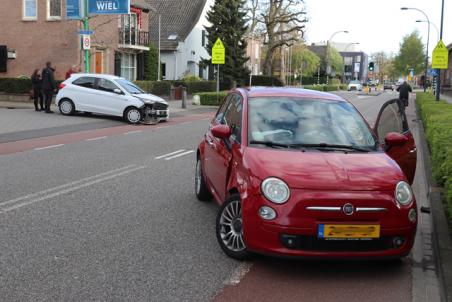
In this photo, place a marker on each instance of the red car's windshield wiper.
(300, 145)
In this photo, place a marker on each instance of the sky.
(378, 25)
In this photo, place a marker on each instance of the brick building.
(36, 31)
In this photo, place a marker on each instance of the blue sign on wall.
(108, 7)
(74, 9)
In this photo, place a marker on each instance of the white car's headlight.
(275, 190)
(403, 193)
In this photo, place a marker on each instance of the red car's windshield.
(295, 121)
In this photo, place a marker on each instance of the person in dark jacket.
(404, 92)
(36, 82)
(48, 85)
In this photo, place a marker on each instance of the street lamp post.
(434, 26)
(345, 51)
(328, 51)
(428, 41)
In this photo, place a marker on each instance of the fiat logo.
(348, 209)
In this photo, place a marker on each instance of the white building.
(182, 36)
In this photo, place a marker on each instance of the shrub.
(325, 87)
(262, 80)
(212, 98)
(191, 78)
(154, 87)
(437, 119)
(203, 86)
(11, 85)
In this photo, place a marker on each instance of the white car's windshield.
(294, 121)
(130, 87)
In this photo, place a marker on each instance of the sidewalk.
(446, 98)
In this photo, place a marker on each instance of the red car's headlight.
(275, 190)
(403, 193)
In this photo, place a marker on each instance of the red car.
(301, 173)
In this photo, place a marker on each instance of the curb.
(441, 237)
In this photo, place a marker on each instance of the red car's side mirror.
(221, 131)
(393, 139)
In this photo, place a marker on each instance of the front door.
(99, 62)
(218, 152)
(392, 118)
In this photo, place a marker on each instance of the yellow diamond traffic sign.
(440, 56)
(218, 52)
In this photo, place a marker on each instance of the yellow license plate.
(346, 231)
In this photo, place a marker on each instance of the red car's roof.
(289, 92)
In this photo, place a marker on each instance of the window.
(128, 66)
(106, 85)
(87, 82)
(233, 117)
(358, 59)
(30, 9)
(203, 39)
(348, 61)
(391, 120)
(53, 9)
(163, 70)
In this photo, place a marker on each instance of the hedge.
(11, 85)
(325, 87)
(263, 80)
(212, 98)
(154, 87)
(437, 119)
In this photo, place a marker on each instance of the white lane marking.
(206, 119)
(26, 203)
(48, 147)
(161, 127)
(64, 186)
(133, 132)
(239, 273)
(179, 155)
(95, 139)
(185, 123)
(169, 154)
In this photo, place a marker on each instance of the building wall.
(36, 42)
(254, 53)
(363, 61)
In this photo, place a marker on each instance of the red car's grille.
(311, 243)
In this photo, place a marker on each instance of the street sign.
(85, 32)
(108, 7)
(440, 56)
(218, 52)
(74, 9)
(86, 42)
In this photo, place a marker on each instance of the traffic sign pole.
(218, 79)
(86, 27)
(438, 82)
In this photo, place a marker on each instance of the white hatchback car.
(354, 85)
(110, 95)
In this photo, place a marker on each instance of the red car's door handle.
(209, 141)
(413, 150)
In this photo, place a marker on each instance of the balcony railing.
(133, 37)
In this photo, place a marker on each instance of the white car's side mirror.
(117, 91)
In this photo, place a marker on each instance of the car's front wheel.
(201, 189)
(132, 115)
(66, 107)
(229, 229)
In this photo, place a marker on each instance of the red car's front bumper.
(294, 231)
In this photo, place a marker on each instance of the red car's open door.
(392, 118)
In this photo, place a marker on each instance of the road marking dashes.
(48, 147)
(95, 139)
(133, 132)
(169, 154)
(179, 155)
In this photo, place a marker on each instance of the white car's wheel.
(132, 115)
(66, 107)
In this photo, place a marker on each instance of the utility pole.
(86, 28)
(438, 71)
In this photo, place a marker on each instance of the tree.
(336, 62)
(282, 23)
(411, 55)
(228, 22)
(305, 62)
(151, 67)
(385, 65)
